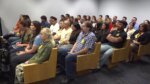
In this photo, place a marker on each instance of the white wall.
(129, 8)
(10, 10)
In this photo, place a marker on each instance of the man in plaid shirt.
(84, 44)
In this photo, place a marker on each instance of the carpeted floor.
(125, 73)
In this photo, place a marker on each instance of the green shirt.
(26, 36)
(43, 52)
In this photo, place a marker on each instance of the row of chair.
(47, 70)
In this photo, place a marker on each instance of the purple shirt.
(85, 41)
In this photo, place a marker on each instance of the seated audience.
(22, 56)
(54, 25)
(115, 39)
(102, 34)
(57, 36)
(100, 22)
(124, 19)
(15, 36)
(44, 22)
(84, 44)
(129, 30)
(139, 37)
(25, 37)
(65, 34)
(136, 25)
(42, 54)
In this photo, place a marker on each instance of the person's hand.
(136, 42)
(18, 44)
(20, 53)
(27, 62)
(27, 47)
(71, 53)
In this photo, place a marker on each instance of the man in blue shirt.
(44, 22)
(136, 25)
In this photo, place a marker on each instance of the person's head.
(120, 25)
(23, 17)
(84, 17)
(94, 18)
(147, 22)
(79, 17)
(114, 18)
(53, 20)
(105, 26)
(75, 26)
(107, 16)
(134, 19)
(35, 27)
(76, 20)
(86, 26)
(62, 17)
(25, 24)
(100, 16)
(131, 25)
(71, 18)
(67, 16)
(45, 34)
(61, 24)
(89, 18)
(143, 27)
(43, 18)
(124, 18)
(114, 23)
(66, 24)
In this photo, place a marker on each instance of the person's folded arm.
(45, 55)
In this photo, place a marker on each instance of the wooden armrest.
(83, 62)
(118, 49)
(28, 65)
(120, 54)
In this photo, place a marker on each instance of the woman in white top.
(129, 30)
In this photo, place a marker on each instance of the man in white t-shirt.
(54, 25)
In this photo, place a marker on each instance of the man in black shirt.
(115, 39)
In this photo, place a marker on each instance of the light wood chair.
(143, 50)
(119, 55)
(88, 61)
(39, 72)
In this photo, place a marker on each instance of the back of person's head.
(37, 25)
(43, 18)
